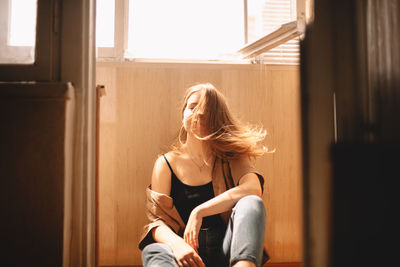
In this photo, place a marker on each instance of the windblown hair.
(226, 136)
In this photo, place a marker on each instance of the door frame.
(78, 66)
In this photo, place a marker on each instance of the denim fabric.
(241, 239)
(244, 238)
(210, 246)
(158, 255)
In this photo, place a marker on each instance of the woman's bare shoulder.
(160, 179)
(174, 156)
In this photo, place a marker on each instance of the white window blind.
(266, 16)
(288, 53)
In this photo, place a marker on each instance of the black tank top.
(187, 197)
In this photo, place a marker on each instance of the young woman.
(204, 202)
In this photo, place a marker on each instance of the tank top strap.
(169, 165)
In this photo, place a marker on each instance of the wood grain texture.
(140, 117)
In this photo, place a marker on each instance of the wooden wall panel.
(139, 118)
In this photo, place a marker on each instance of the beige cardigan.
(161, 210)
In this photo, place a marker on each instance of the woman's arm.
(248, 185)
(161, 183)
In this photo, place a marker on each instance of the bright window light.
(105, 21)
(265, 16)
(185, 29)
(23, 23)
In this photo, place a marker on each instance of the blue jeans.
(241, 239)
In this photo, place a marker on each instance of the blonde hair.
(225, 135)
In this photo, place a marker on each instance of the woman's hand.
(192, 229)
(185, 255)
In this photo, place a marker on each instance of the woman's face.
(188, 114)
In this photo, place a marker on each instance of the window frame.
(246, 54)
(46, 62)
(120, 34)
(285, 33)
(280, 36)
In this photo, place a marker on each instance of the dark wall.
(365, 205)
(352, 53)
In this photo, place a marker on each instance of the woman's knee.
(251, 200)
(251, 205)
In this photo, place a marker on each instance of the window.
(261, 30)
(29, 40)
(269, 16)
(105, 20)
(189, 29)
(18, 22)
(111, 28)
